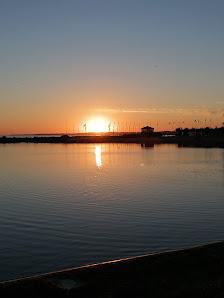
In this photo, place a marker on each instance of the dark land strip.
(181, 141)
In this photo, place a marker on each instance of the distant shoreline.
(182, 141)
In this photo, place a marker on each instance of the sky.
(155, 62)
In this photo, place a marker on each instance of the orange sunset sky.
(65, 64)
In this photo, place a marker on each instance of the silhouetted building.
(147, 129)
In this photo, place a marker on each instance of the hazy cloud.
(163, 110)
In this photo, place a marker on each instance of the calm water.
(63, 206)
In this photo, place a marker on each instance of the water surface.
(63, 206)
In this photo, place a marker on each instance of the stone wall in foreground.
(194, 272)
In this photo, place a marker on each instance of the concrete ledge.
(193, 272)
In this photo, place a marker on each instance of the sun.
(97, 125)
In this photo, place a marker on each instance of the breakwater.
(192, 272)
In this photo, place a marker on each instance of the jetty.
(192, 272)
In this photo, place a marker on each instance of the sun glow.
(97, 125)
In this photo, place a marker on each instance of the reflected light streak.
(98, 156)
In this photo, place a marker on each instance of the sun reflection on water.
(98, 156)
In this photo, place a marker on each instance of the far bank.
(182, 141)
